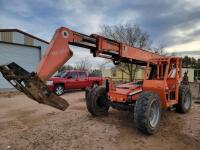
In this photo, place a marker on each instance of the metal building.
(22, 48)
(193, 74)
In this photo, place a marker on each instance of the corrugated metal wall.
(7, 36)
(41, 44)
(27, 57)
(18, 38)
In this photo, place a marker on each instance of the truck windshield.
(61, 74)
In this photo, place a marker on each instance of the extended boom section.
(59, 51)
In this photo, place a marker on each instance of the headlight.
(49, 82)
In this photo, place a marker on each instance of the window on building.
(7, 36)
(196, 75)
(28, 40)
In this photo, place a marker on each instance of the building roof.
(25, 33)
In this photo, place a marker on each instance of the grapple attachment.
(31, 85)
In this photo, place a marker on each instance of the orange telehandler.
(160, 89)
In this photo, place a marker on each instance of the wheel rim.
(59, 90)
(95, 85)
(187, 102)
(154, 113)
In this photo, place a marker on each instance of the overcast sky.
(174, 24)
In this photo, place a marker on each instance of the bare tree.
(102, 65)
(133, 36)
(173, 54)
(83, 64)
(65, 67)
(160, 50)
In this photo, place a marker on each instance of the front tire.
(87, 91)
(147, 112)
(97, 102)
(185, 100)
(59, 89)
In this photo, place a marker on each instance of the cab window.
(82, 75)
(73, 75)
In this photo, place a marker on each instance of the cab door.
(72, 80)
(83, 80)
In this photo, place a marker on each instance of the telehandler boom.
(160, 88)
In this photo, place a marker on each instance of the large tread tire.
(143, 112)
(97, 102)
(88, 100)
(184, 97)
(87, 91)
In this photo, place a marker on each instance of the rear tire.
(89, 100)
(147, 112)
(185, 100)
(59, 89)
(97, 102)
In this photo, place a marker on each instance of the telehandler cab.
(161, 87)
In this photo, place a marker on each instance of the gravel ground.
(25, 124)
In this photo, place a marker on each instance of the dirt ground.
(24, 124)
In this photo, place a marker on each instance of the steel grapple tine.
(31, 85)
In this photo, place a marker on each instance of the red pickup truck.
(72, 79)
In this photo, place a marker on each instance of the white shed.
(22, 48)
(193, 74)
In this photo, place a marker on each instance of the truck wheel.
(97, 102)
(95, 84)
(59, 89)
(184, 102)
(147, 112)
